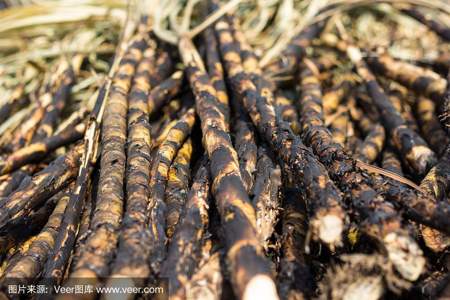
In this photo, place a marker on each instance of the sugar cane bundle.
(225, 149)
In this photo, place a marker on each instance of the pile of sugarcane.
(224, 158)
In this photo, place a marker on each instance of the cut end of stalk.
(405, 255)
(260, 287)
(330, 230)
(422, 158)
(370, 287)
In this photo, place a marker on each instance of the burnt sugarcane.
(16, 101)
(399, 97)
(63, 83)
(326, 208)
(295, 277)
(287, 111)
(39, 150)
(42, 185)
(391, 162)
(333, 97)
(266, 199)
(177, 186)
(245, 144)
(26, 130)
(428, 20)
(55, 268)
(430, 126)
(250, 273)
(134, 237)
(290, 58)
(415, 152)
(423, 81)
(207, 281)
(184, 249)
(160, 172)
(163, 92)
(216, 73)
(11, 182)
(31, 264)
(372, 145)
(94, 261)
(379, 218)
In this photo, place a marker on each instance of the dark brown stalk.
(430, 126)
(391, 162)
(160, 172)
(62, 84)
(428, 20)
(266, 199)
(16, 101)
(250, 273)
(290, 58)
(31, 264)
(326, 209)
(39, 150)
(178, 186)
(101, 243)
(379, 219)
(287, 111)
(333, 97)
(184, 249)
(216, 74)
(134, 238)
(295, 278)
(399, 97)
(422, 81)
(10, 182)
(163, 92)
(372, 145)
(42, 185)
(415, 152)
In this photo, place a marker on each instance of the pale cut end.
(354, 54)
(330, 229)
(405, 255)
(260, 287)
(367, 288)
(422, 158)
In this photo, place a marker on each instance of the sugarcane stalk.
(430, 126)
(134, 238)
(42, 185)
(379, 218)
(295, 277)
(14, 103)
(38, 150)
(63, 84)
(216, 73)
(163, 92)
(391, 162)
(30, 265)
(265, 199)
(184, 249)
(415, 152)
(399, 98)
(325, 209)
(111, 111)
(287, 111)
(423, 81)
(178, 186)
(372, 145)
(428, 20)
(250, 274)
(290, 58)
